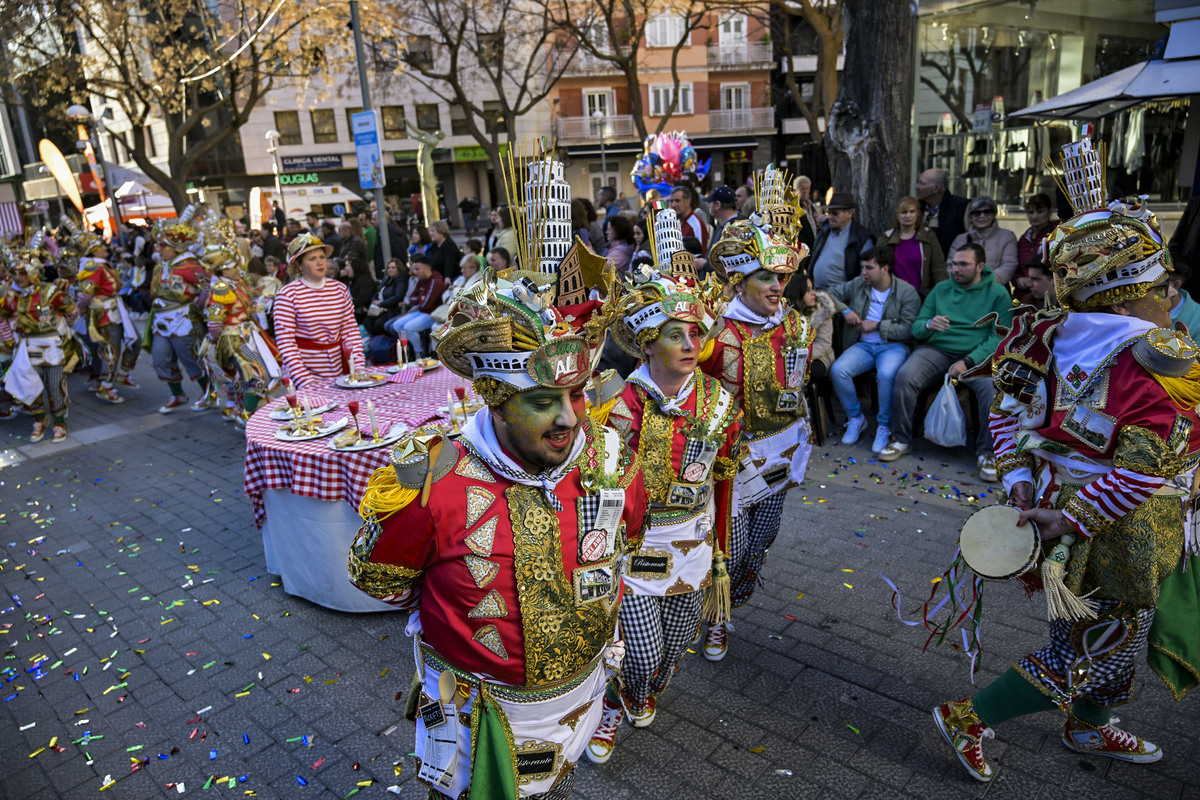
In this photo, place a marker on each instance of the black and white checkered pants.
(54, 399)
(753, 532)
(657, 632)
(1110, 680)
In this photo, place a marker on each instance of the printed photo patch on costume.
(650, 564)
(594, 583)
(176, 283)
(536, 761)
(794, 363)
(683, 495)
(1093, 428)
(698, 457)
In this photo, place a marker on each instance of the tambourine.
(995, 548)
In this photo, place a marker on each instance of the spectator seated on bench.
(949, 344)
(878, 311)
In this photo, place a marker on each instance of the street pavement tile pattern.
(147, 653)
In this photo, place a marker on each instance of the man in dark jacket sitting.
(841, 241)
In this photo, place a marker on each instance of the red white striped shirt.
(325, 316)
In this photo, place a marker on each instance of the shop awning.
(1176, 75)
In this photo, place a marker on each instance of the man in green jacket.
(950, 344)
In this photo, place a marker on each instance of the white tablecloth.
(306, 542)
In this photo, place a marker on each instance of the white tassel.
(1060, 602)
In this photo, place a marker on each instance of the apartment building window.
(324, 125)
(491, 48)
(428, 118)
(288, 125)
(733, 29)
(458, 121)
(420, 51)
(665, 30)
(387, 54)
(392, 120)
(660, 99)
(602, 100)
(596, 34)
(735, 96)
(350, 112)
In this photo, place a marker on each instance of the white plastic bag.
(945, 423)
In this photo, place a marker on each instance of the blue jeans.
(886, 358)
(410, 326)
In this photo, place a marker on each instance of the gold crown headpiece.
(178, 234)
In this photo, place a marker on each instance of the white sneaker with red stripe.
(604, 740)
(1108, 740)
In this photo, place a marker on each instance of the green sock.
(1007, 697)
(176, 387)
(203, 381)
(1091, 713)
(611, 695)
(250, 402)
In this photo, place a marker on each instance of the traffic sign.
(365, 127)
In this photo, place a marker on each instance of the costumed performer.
(176, 319)
(315, 329)
(1094, 424)
(33, 324)
(684, 427)
(516, 590)
(761, 356)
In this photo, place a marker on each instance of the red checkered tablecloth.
(310, 468)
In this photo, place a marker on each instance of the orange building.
(724, 102)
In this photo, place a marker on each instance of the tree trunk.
(870, 124)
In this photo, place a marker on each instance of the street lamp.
(84, 117)
(273, 149)
(598, 119)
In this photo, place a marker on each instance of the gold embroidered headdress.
(770, 239)
(1104, 254)
(178, 234)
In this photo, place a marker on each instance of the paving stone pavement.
(140, 629)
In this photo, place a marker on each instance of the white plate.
(344, 382)
(284, 412)
(472, 407)
(429, 366)
(397, 430)
(328, 428)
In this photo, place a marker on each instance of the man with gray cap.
(840, 243)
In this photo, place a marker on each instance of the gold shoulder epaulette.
(1166, 352)
(421, 452)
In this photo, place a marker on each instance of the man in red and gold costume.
(238, 347)
(761, 356)
(1096, 441)
(175, 319)
(33, 324)
(515, 590)
(108, 325)
(684, 427)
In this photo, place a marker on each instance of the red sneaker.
(716, 644)
(176, 402)
(39, 430)
(965, 732)
(109, 394)
(604, 740)
(125, 380)
(1108, 740)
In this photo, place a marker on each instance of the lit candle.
(371, 415)
(450, 407)
(399, 354)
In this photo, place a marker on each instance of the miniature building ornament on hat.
(178, 234)
(770, 239)
(1102, 255)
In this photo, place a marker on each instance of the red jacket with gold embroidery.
(99, 279)
(766, 374)
(663, 441)
(502, 582)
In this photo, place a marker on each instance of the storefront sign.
(738, 156)
(299, 179)
(475, 153)
(982, 122)
(310, 163)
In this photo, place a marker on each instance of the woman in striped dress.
(314, 318)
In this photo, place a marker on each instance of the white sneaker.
(987, 468)
(894, 450)
(854, 429)
(882, 436)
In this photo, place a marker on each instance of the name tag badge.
(652, 564)
(697, 470)
(432, 715)
(600, 540)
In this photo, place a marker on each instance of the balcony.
(584, 63)
(581, 130)
(739, 56)
(742, 120)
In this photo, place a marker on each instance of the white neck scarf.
(480, 435)
(739, 311)
(313, 284)
(669, 404)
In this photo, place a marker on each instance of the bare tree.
(613, 32)
(869, 124)
(486, 57)
(824, 18)
(197, 67)
(964, 71)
